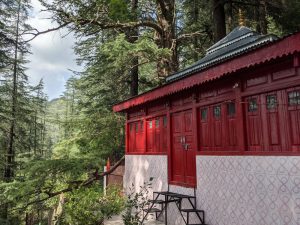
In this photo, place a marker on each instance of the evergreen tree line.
(22, 106)
(51, 154)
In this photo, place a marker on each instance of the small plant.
(136, 202)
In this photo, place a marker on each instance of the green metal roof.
(239, 41)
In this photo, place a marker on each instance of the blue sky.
(52, 56)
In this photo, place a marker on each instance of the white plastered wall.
(140, 168)
(235, 190)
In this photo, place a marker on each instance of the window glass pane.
(252, 105)
(150, 124)
(231, 108)
(204, 114)
(157, 123)
(271, 101)
(294, 98)
(217, 111)
(165, 121)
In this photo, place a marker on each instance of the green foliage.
(90, 206)
(118, 10)
(120, 53)
(287, 18)
(54, 123)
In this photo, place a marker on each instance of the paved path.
(117, 220)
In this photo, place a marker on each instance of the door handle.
(186, 147)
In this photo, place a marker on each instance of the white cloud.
(52, 56)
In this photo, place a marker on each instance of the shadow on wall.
(140, 168)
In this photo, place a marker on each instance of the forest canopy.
(51, 151)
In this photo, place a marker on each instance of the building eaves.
(260, 54)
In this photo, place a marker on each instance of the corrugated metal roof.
(239, 41)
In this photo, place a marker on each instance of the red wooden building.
(240, 102)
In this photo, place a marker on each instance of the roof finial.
(241, 18)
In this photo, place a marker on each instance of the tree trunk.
(35, 133)
(166, 20)
(58, 211)
(29, 219)
(260, 17)
(230, 16)
(263, 23)
(132, 36)
(256, 16)
(219, 20)
(195, 21)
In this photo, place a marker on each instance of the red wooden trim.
(180, 108)
(169, 141)
(146, 153)
(135, 120)
(126, 137)
(145, 133)
(162, 113)
(296, 60)
(283, 84)
(182, 184)
(282, 48)
(240, 117)
(216, 100)
(195, 122)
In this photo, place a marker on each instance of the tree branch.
(37, 32)
(104, 26)
(78, 185)
(182, 37)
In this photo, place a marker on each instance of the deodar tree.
(134, 18)
(20, 108)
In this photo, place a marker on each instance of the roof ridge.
(230, 42)
(234, 31)
(241, 40)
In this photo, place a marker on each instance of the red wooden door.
(254, 123)
(183, 153)
(218, 127)
(293, 102)
(273, 121)
(270, 103)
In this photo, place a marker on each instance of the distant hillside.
(56, 111)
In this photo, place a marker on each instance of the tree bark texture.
(218, 19)
(132, 36)
(230, 16)
(167, 38)
(263, 23)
